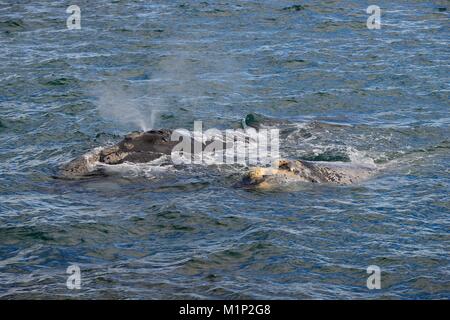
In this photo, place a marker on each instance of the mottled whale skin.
(291, 171)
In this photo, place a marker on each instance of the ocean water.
(349, 93)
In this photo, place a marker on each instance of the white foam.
(128, 169)
(360, 157)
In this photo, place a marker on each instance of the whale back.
(149, 141)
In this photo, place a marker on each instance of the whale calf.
(291, 171)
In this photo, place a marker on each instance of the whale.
(295, 171)
(136, 147)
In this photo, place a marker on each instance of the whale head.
(148, 141)
(267, 177)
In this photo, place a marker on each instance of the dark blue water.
(379, 96)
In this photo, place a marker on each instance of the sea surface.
(146, 232)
